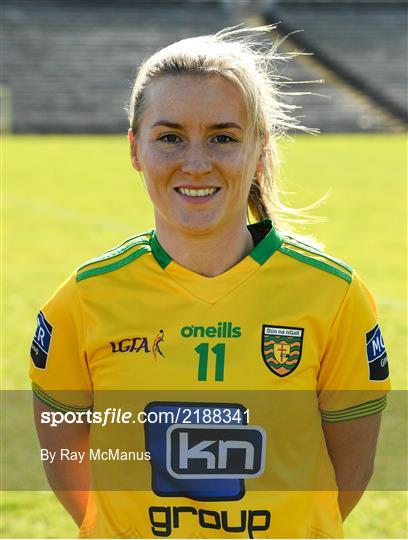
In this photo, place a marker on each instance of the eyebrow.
(174, 125)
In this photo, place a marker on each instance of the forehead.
(208, 98)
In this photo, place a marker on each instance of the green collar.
(260, 253)
(269, 243)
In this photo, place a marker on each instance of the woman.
(277, 342)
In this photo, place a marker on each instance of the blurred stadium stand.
(360, 48)
(67, 65)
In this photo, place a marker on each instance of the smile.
(199, 192)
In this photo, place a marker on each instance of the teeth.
(197, 192)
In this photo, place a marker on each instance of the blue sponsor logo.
(186, 457)
(41, 342)
(375, 344)
(376, 355)
(221, 452)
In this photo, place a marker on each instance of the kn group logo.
(222, 452)
(203, 459)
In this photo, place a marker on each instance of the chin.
(199, 224)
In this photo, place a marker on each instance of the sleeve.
(353, 380)
(58, 367)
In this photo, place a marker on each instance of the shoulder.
(67, 305)
(310, 256)
(118, 257)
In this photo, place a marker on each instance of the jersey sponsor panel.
(191, 457)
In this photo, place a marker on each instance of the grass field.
(67, 199)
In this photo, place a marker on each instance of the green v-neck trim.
(259, 253)
(213, 289)
(161, 256)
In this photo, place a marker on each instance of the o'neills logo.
(222, 330)
(139, 344)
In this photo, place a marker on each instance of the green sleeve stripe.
(352, 416)
(371, 405)
(317, 264)
(311, 249)
(54, 404)
(355, 407)
(358, 411)
(113, 266)
(128, 244)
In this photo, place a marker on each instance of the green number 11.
(219, 351)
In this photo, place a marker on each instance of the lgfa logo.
(139, 344)
(222, 330)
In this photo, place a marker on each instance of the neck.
(206, 254)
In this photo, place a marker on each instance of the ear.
(134, 148)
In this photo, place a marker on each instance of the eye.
(170, 138)
(222, 139)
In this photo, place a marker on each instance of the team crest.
(281, 348)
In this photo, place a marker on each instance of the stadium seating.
(367, 39)
(68, 64)
(370, 39)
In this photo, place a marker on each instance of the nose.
(196, 161)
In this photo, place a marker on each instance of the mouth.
(197, 193)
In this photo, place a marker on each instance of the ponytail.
(258, 200)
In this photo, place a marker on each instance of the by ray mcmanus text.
(93, 454)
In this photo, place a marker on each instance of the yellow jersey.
(226, 381)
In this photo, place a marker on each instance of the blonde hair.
(236, 55)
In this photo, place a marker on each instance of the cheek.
(231, 161)
(154, 164)
(158, 164)
(241, 167)
(157, 173)
(155, 186)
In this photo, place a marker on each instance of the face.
(196, 154)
